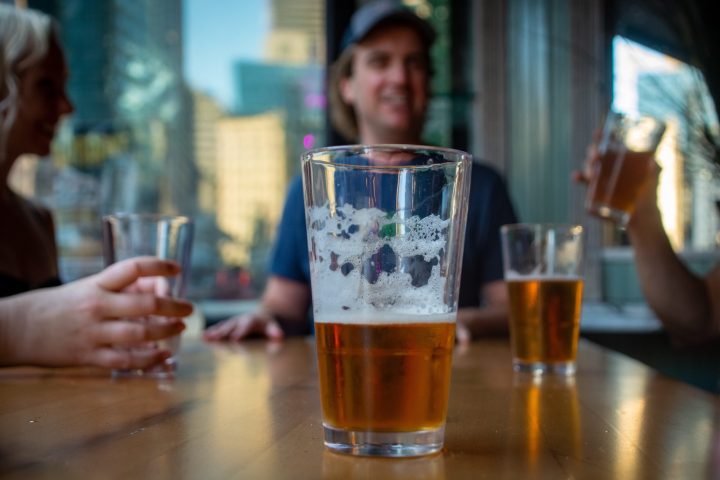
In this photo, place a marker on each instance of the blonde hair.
(342, 114)
(24, 40)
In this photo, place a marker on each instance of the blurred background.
(203, 107)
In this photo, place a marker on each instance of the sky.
(216, 33)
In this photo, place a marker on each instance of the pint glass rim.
(144, 217)
(615, 119)
(634, 117)
(449, 156)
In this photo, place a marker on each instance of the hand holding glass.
(165, 237)
(626, 152)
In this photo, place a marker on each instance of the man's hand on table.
(243, 326)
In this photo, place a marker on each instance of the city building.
(251, 179)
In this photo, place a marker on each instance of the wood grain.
(252, 411)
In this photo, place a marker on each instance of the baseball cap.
(373, 13)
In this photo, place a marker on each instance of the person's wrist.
(466, 320)
(644, 217)
(16, 320)
(267, 316)
(8, 343)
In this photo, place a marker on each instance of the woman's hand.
(81, 322)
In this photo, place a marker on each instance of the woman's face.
(42, 101)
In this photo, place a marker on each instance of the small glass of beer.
(385, 229)
(627, 150)
(543, 271)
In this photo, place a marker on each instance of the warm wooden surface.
(253, 411)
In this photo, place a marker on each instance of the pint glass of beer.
(385, 229)
(627, 150)
(543, 272)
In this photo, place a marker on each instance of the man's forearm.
(290, 324)
(288, 302)
(677, 296)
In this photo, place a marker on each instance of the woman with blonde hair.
(79, 323)
(32, 102)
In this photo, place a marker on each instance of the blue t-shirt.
(489, 208)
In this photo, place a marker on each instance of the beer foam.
(384, 318)
(364, 259)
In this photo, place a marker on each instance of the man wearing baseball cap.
(379, 91)
(379, 85)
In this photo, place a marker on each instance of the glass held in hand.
(127, 235)
(623, 165)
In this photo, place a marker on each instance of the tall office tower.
(126, 82)
(251, 179)
(128, 145)
(297, 32)
(262, 86)
(165, 32)
(281, 100)
(207, 115)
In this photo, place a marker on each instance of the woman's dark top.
(10, 285)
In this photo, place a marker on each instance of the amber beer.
(621, 176)
(544, 320)
(385, 377)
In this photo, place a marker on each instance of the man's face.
(42, 102)
(389, 85)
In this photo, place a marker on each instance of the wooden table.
(253, 411)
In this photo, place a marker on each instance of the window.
(193, 107)
(650, 82)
